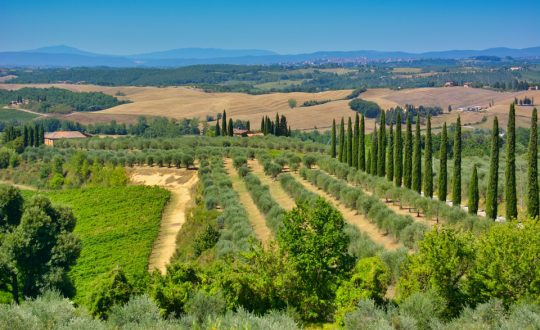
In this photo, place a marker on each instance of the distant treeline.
(252, 78)
(57, 100)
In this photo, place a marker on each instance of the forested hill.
(56, 100)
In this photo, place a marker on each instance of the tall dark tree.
(428, 161)
(230, 127)
(407, 157)
(456, 178)
(443, 170)
(390, 154)
(368, 161)
(349, 142)
(510, 174)
(356, 139)
(341, 152)
(224, 123)
(474, 196)
(532, 173)
(333, 140)
(248, 125)
(493, 180)
(263, 125)
(398, 153)
(417, 158)
(381, 147)
(362, 145)
(218, 129)
(374, 152)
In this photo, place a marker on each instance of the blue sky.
(129, 27)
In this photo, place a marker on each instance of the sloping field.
(187, 102)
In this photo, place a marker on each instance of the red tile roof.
(64, 135)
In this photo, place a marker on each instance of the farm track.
(258, 220)
(180, 183)
(353, 217)
(276, 191)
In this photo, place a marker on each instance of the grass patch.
(17, 115)
(117, 226)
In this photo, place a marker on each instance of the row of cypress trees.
(33, 135)
(397, 155)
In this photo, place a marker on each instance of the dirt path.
(277, 192)
(180, 183)
(258, 220)
(29, 111)
(353, 217)
(20, 186)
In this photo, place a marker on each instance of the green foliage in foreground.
(117, 226)
(51, 311)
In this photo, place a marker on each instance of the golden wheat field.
(187, 102)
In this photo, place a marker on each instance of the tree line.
(59, 100)
(398, 155)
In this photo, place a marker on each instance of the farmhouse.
(51, 137)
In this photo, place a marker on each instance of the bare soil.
(180, 183)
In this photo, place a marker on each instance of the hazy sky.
(293, 26)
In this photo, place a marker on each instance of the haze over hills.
(65, 56)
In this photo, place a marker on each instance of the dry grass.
(186, 102)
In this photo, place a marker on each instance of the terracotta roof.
(64, 135)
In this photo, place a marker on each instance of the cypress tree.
(532, 188)
(398, 153)
(428, 162)
(407, 157)
(510, 184)
(493, 180)
(368, 162)
(218, 130)
(36, 136)
(30, 136)
(277, 131)
(374, 152)
(230, 127)
(349, 142)
(263, 126)
(417, 159)
(473, 192)
(456, 180)
(362, 145)
(224, 123)
(390, 154)
(356, 138)
(381, 146)
(25, 136)
(248, 125)
(341, 141)
(333, 140)
(443, 171)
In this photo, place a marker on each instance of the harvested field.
(187, 102)
(179, 182)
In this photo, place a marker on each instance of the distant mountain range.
(65, 56)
